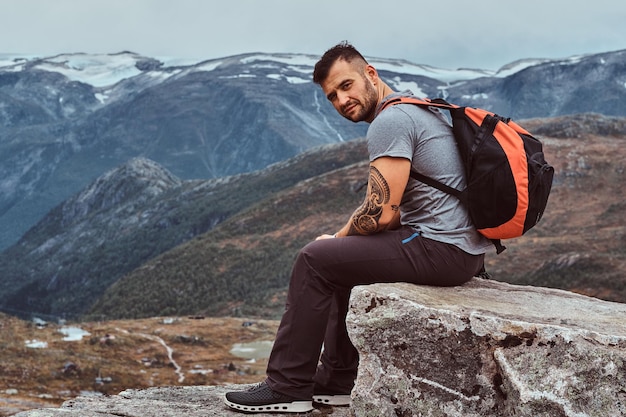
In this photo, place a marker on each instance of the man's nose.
(342, 98)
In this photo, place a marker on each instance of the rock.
(486, 349)
(190, 401)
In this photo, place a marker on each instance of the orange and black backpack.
(508, 178)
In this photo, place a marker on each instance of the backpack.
(508, 179)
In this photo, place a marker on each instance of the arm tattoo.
(365, 218)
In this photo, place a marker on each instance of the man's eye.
(346, 86)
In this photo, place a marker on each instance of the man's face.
(351, 91)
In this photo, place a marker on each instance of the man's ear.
(371, 74)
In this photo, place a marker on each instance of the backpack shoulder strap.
(437, 102)
(439, 185)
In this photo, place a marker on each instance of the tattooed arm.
(381, 209)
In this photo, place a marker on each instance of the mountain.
(580, 245)
(206, 121)
(132, 214)
(140, 242)
(67, 119)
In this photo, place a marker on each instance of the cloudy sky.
(484, 34)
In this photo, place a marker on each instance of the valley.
(38, 368)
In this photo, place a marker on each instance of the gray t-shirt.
(424, 136)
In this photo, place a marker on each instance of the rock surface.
(192, 401)
(487, 349)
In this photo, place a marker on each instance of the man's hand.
(325, 237)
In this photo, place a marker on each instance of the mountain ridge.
(225, 246)
(224, 116)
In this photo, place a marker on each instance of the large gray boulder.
(487, 349)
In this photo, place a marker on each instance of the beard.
(363, 109)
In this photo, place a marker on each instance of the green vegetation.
(41, 274)
(237, 268)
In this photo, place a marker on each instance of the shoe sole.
(292, 407)
(332, 399)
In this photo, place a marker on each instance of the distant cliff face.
(65, 120)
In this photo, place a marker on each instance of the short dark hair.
(343, 50)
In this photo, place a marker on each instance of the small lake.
(73, 334)
(253, 350)
(36, 344)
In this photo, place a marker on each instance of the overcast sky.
(485, 34)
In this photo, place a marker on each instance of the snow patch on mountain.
(290, 80)
(479, 96)
(522, 64)
(13, 62)
(445, 75)
(107, 70)
(397, 84)
(517, 66)
(96, 70)
(318, 108)
(297, 60)
(207, 66)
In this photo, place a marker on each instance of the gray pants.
(317, 303)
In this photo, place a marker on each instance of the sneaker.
(322, 395)
(262, 399)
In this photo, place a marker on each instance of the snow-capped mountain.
(66, 119)
(103, 70)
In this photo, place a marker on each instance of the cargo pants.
(323, 275)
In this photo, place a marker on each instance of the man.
(405, 231)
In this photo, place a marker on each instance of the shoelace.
(257, 386)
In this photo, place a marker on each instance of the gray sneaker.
(262, 399)
(323, 395)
